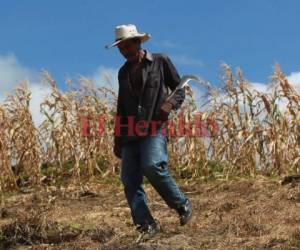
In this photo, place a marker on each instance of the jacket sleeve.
(118, 138)
(172, 79)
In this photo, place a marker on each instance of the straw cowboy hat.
(127, 31)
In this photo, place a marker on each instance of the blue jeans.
(148, 157)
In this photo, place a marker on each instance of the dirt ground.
(234, 214)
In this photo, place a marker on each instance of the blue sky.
(68, 37)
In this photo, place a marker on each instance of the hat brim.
(143, 37)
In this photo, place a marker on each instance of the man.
(143, 87)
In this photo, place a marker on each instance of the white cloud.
(259, 87)
(186, 60)
(39, 93)
(294, 79)
(106, 76)
(12, 73)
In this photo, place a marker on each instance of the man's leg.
(154, 163)
(132, 179)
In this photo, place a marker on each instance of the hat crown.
(125, 30)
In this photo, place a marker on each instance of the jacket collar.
(148, 57)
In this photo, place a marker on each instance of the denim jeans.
(148, 157)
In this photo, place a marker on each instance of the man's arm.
(172, 79)
(119, 114)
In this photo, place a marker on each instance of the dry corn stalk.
(256, 133)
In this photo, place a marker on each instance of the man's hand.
(166, 107)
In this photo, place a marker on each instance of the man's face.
(129, 49)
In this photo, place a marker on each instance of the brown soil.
(235, 214)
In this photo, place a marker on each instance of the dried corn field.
(257, 132)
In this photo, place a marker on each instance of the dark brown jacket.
(158, 75)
